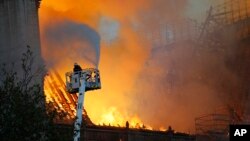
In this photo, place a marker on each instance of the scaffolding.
(232, 15)
(215, 126)
(229, 20)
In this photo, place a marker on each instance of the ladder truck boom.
(80, 82)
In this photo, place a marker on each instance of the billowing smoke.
(71, 42)
(182, 80)
(161, 84)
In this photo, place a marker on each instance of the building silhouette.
(19, 27)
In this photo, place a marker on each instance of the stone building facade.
(19, 28)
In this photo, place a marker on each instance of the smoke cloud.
(185, 80)
(162, 85)
(179, 84)
(71, 41)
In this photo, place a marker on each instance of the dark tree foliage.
(24, 115)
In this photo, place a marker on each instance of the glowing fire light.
(55, 92)
(113, 117)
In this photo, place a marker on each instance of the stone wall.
(19, 27)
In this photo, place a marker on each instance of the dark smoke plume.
(74, 41)
(185, 80)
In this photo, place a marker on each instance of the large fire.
(109, 105)
(136, 73)
(55, 92)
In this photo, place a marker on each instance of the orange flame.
(56, 93)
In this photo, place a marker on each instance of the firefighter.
(77, 68)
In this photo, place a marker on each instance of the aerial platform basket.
(91, 77)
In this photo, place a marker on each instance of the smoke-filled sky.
(157, 86)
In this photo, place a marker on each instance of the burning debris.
(56, 93)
